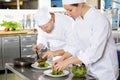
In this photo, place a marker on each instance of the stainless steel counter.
(29, 73)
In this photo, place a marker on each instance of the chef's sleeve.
(71, 45)
(41, 38)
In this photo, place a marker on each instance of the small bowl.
(78, 71)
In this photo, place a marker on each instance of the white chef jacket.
(58, 37)
(93, 43)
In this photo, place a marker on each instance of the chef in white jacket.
(92, 37)
(53, 28)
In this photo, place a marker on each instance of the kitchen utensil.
(37, 55)
(23, 61)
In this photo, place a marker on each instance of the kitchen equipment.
(37, 55)
(23, 61)
(10, 49)
(27, 41)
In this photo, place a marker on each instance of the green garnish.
(54, 72)
(78, 70)
(42, 64)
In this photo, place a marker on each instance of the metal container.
(23, 61)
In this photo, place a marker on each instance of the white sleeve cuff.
(82, 57)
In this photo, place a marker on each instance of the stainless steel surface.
(1, 63)
(26, 44)
(10, 67)
(28, 39)
(10, 48)
(12, 45)
(28, 73)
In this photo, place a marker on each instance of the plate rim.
(32, 65)
(49, 70)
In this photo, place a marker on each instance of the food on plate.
(79, 71)
(42, 62)
(55, 72)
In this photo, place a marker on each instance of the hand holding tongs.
(43, 50)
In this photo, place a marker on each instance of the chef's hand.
(37, 47)
(56, 63)
(49, 54)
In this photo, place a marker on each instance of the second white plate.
(48, 73)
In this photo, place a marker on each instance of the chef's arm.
(50, 53)
(65, 56)
(73, 60)
(58, 52)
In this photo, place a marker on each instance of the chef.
(92, 35)
(53, 30)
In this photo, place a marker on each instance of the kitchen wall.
(25, 17)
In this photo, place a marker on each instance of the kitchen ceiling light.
(7, 0)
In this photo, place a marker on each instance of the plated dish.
(48, 73)
(35, 65)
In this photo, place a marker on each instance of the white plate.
(48, 73)
(36, 67)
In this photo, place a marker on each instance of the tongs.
(37, 55)
(41, 52)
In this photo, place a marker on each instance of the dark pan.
(23, 61)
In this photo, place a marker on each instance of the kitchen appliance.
(23, 61)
